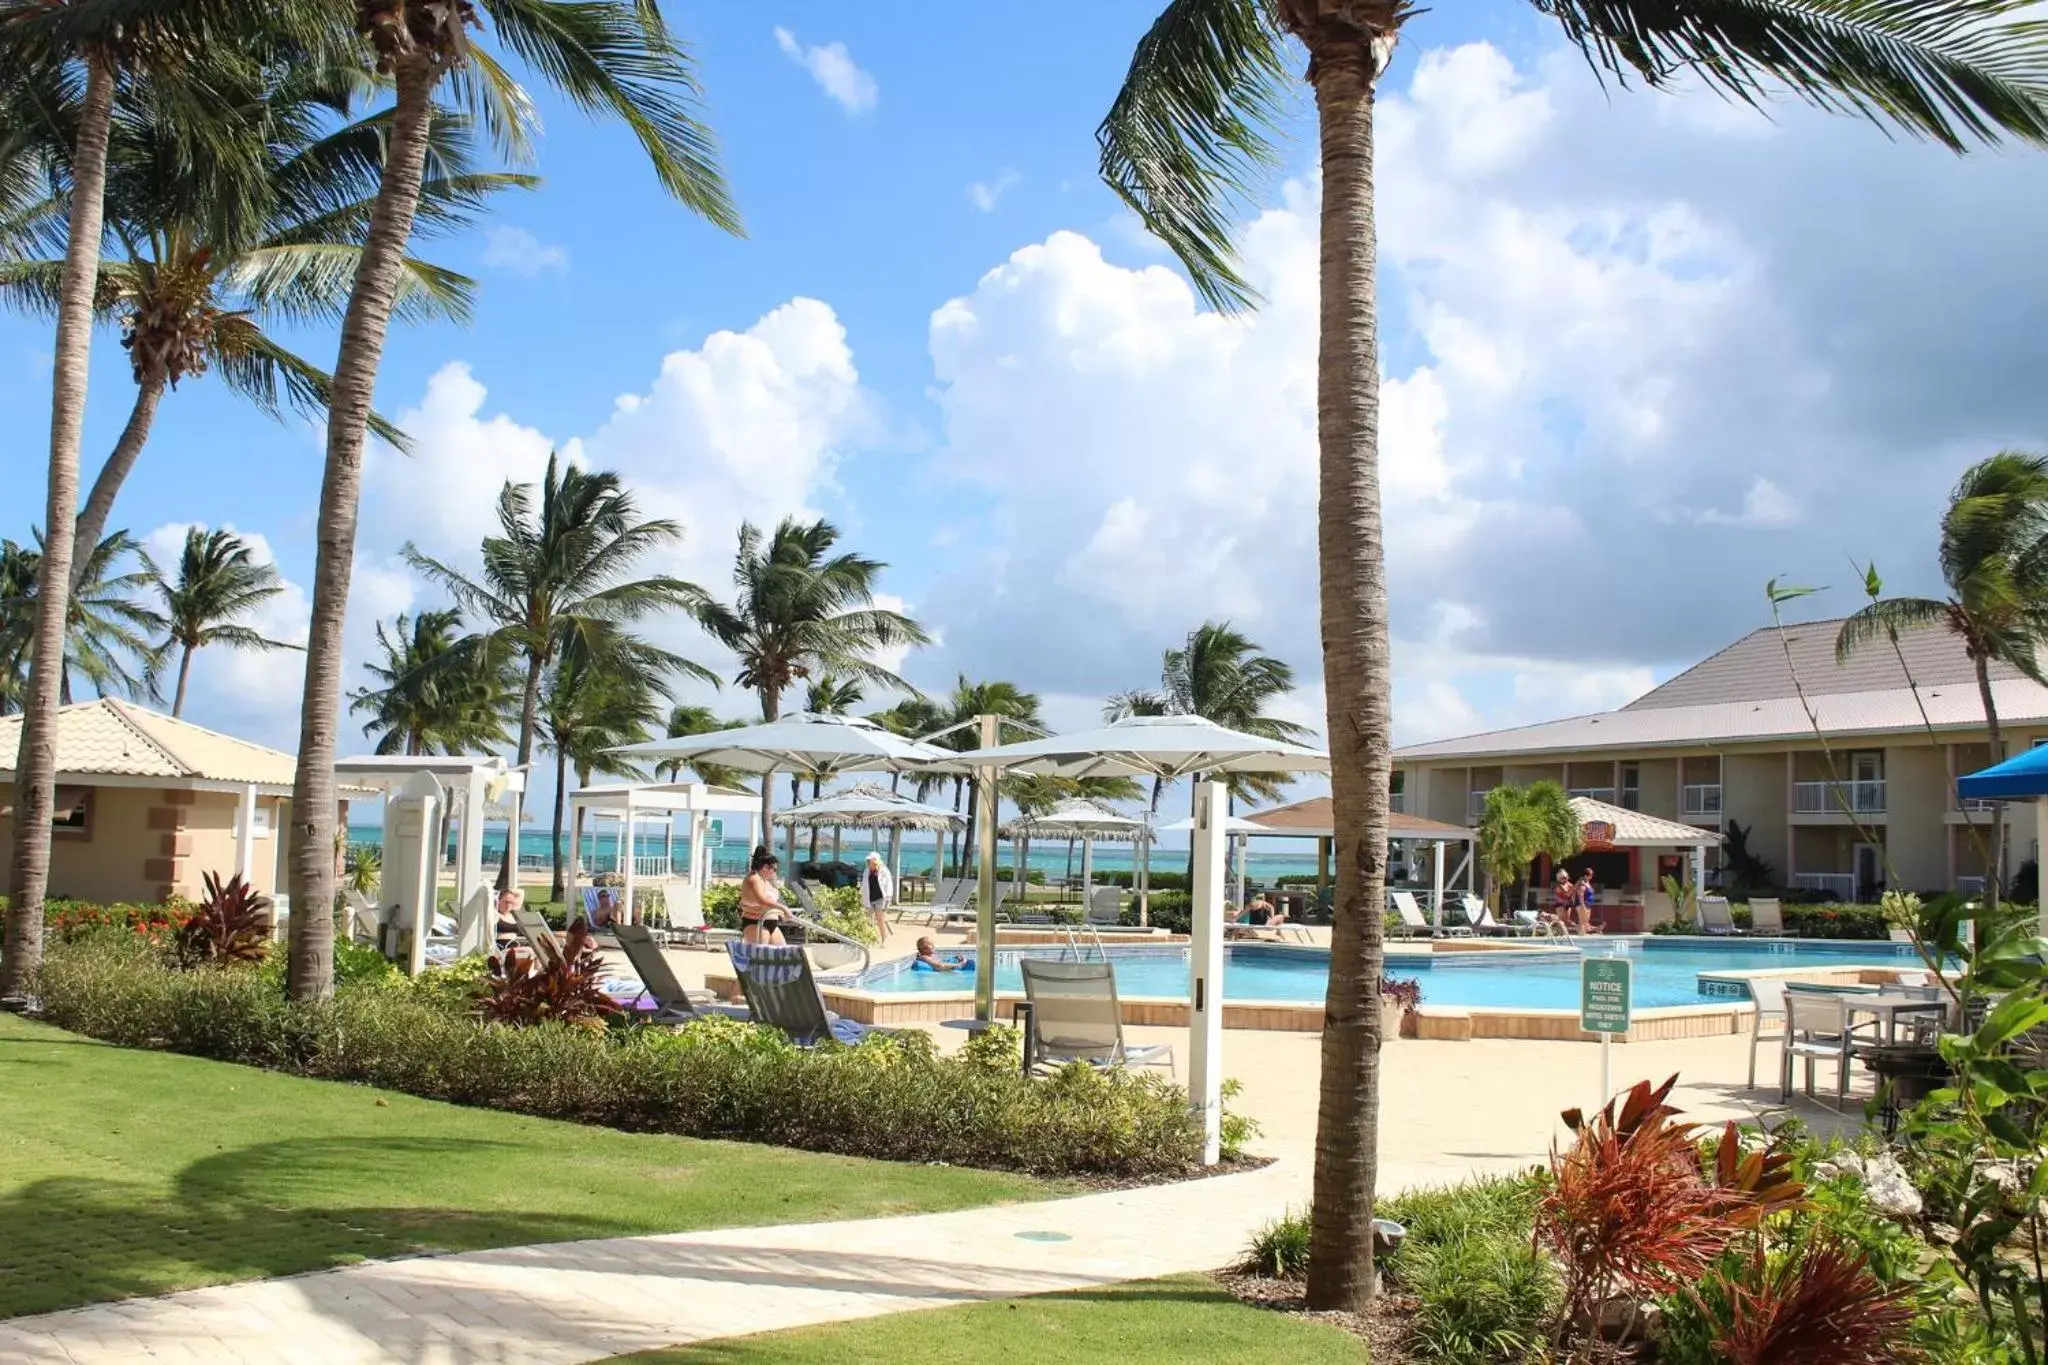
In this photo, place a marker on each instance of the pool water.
(1666, 971)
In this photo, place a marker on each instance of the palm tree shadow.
(274, 1208)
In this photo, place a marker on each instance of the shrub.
(1482, 1295)
(722, 905)
(1832, 919)
(525, 991)
(1279, 1250)
(1161, 881)
(891, 1097)
(840, 910)
(1173, 911)
(66, 921)
(232, 925)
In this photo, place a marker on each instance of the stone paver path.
(580, 1301)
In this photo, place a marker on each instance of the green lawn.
(1152, 1322)
(126, 1172)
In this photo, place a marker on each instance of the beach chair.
(675, 1002)
(1766, 919)
(1481, 919)
(687, 922)
(547, 949)
(802, 894)
(782, 993)
(1715, 917)
(1414, 922)
(1106, 914)
(1075, 1017)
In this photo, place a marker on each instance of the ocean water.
(1278, 858)
(1665, 973)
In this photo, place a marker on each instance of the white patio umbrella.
(802, 742)
(1167, 747)
(1080, 818)
(1231, 826)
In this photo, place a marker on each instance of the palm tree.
(685, 719)
(969, 701)
(802, 610)
(593, 702)
(1994, 558)
(1517, 825)
(97, 44)
(197, 274)
(1189, 136)
(106, 631)
(558, 575)
(615, 58)
(442, 692)
(218, 582)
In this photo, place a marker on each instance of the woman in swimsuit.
(761, 909)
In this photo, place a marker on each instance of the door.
(1869, 869)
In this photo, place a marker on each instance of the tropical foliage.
(1518, 825)
(441, 692)
(107, 630)
(217, 581)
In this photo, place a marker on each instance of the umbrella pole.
(985, 919)
(1205, 970)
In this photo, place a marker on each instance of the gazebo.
(870, 805)
(1640, 851)
(1316, 819)
(1079, 818)
(631, 804)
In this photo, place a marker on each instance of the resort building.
(147, 805)
(1727, 746)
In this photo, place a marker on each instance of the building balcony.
(1700, 801)
(1604, 795)
(1840, 885)
(1397, 802)
(1844, 799)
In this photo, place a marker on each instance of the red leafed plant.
(231, 925)
(523, 991)
(1634, 1207)
(1817, 1305)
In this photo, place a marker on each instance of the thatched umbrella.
(1081, 819)
(871, 806)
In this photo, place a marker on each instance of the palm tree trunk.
(529, 725)
(184, 676)
(35, 764)
(771, 709)
(348, 410)
(558, 889)
(1357, 677)
(1994, 875)
(99, 504)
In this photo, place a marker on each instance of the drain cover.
(1044, 1237)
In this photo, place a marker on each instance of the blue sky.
(1643, 351)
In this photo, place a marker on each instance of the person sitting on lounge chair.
(507, 927)
(928, 959)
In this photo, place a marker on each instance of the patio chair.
(1815, 1030)
(950, 902)
(782, 993)
(675, 1003)
(1075, 1017)
(547, 949)
(1715, 917)
(1766, 918)
(1413, 921)
(1106, 907)
(1769, 995)
(1480, 918)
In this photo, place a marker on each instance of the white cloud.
(833, 68)
(986, 194)
(1764, 505)
(519, 251)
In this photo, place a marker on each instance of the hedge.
(1835, 919)
(891, 1097)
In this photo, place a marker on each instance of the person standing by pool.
(761, 908)
(1585, 894)
(877, 890)
(1564, 899)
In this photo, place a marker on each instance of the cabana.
(869, 805)
(2023, 777)
(1078, 819)
(632, 804)
(1316, 818)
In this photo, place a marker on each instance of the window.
(260, 827)
(72, 818)
(1631, 786)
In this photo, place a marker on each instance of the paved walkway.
(581, 1301)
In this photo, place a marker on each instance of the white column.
(1205, 971)
(245, 835)
(626, 855)
(469, 838)
(1244, 853)
(1438, 882)
(985, 798)
(1087, 871)
(700, 875)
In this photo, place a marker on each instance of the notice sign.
(1604, 994)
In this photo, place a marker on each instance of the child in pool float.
(928, 959)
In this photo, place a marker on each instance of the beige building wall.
(1521, 775)
(1659, 786)
(1753, 793)
(1916, 798)
(145, 844)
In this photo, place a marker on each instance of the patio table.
(1886, 1009)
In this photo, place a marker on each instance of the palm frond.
(1883, 621)
(1189, 139)
(266, 373)
(1956, 71)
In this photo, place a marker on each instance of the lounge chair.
(1413, 921)
(1106, 912)
(687, 922)
(1766, 919)
(546, 947)
(1075, 1017)
(1479, 918)
(802, 895)
(1715, 916)
(782, 993)
(676, 1003)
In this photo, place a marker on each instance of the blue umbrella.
(2021, 777)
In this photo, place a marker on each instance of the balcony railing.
(1601, 794)
(1700, 798)
(1979, 807)
(1833, 798)
(1970, 886)
(1840, 885)
(1397, 802)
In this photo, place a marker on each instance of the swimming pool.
(1666, 971)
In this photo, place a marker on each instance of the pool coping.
(1437, 1023)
